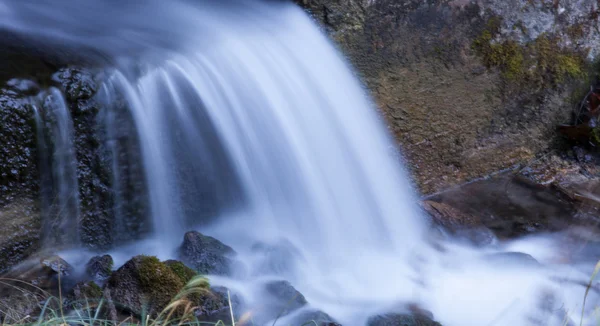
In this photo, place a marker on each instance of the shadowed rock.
(205, 254)
(99, 267)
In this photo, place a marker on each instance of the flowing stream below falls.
(245, 112)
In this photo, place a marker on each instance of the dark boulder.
(315, 317)
(281, 299)
(205, 254)
(214, 306)
(143, 284)
(402, 320)
(99, 267)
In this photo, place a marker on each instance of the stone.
(99, 268)
(84, 294)
(56, 265)
(205, 254)
(314, 317)
(143, 284)
(401, 320)
(281, 298)
(77, 83)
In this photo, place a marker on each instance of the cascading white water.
(246, 114)
(60, 190)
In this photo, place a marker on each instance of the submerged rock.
(205, 254)
(512, 258)
(280, 299)
(99, 267)
(402, 320)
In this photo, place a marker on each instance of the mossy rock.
(84, 294)
(534, 64)
(144, 285)
(183, 272)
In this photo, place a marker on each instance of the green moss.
(183, 272)
(538, 63)
(158, 281)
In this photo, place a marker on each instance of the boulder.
(402, 320)
(214, 306)
(183, 272)
(55, 265)
(280, 299)
(99, 268)
(314, 317)
(457, 223)
(143, 284)
(205, 254)
(84, 294)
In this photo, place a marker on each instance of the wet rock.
(22, 86)
(511, 206)
(84, 294)
(315, 317)
(99, 267)
(512, 258)
(183, 272)
(56, 265)
(401, 320)
(205, 254)
(19, 234)
(458, 223)
(18, 152)
(284, 298)
(143, 283)
(77, 83)
(214, 306)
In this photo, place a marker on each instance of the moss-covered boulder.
(205, 254)
(144, 285)
(183, 272)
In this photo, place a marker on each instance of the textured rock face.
(19, 234)
(205, 254)
(456, 115)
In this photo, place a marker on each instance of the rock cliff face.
(467, 87)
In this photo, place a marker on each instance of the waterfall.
(58, 168)
(253, 129)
